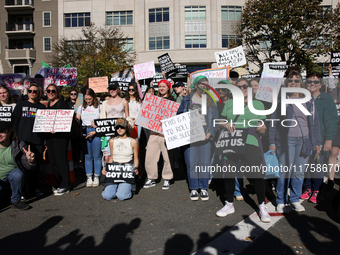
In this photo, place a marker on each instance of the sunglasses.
(131, 89)
(315, 82)
(73, 94)
(295, 81)
(244, 86)
(221, 89)
(33, 91)
(51, 91)
(120, 127)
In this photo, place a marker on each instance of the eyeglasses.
(33, 91)
(295, 81)
(244, 86)
(131, 89)
(51, 91)
(315, 82)
(120, 127)
(73, 94)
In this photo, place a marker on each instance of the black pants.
(251, 157)
(33, 181)
(57, 152)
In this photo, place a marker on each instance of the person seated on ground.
(14, 161)
(124, 149)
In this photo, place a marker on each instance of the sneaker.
(298, 207)
(239, 198)
(20, 206)
(89, 182)
(227, 209)
(95, 182)
(150, 183)
(264, 215)
(280, 208)
(194, 195)
(166, 184)
(204, 195)
(61, 191)
(22, 198)
(314, 198)
(306, 194)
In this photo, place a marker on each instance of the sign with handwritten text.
(53, 120)
(144, 70)
(234, 57)
(99, 84)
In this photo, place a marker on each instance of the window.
(119, 18)
(158, 15)
(195, 41)
(320, 41)
(46, 19)
(231, 12)
(77, 19)
(47, 44)
(195, 13)
(230, 41)
(159, 43)
(128, 46)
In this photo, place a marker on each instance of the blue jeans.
(122, 191)
(198, 154)
(238, 186)
(15, 179)
(289, 157)
(94, 155)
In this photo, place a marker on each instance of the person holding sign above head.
(115, 107)
(248, 150)
(124, 149)
(5, 97)
(199, 153)
(23, 121)
(156, 145)
(57, 144)
(87, 113)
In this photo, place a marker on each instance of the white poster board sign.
(183, 129)
(234, 57)
(53, 120)
(144, 70)
(270, 78)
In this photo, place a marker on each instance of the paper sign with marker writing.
(144, 70)
(154, 109)
(99, 84)
(53, 120)
(270, 78)
(60, 76)
(183, 129)
(234, 57)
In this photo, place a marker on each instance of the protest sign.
(335, 61)
(231, 142)
(99, 84)
(144, 70)
(154, 109)
(6, 113)
(234, 57)
(124, 78)
(105, 127)
(79, 101)
(53, 120)
(120, 173)
(167, 65)
(183, 129)
(60, 76)
(13, 81)
(271, 77)
(182, 70)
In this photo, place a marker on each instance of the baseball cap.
(178, 84)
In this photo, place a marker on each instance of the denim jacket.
(278, 133)
(212, 113)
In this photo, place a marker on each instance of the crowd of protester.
(22, 152)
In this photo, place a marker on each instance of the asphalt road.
(155, 221)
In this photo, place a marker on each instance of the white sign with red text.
(144, 70)
(53, 120)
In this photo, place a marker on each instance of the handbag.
(272, 164)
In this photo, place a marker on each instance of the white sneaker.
(166, 184)
(89, 182)
(239, 198)
(298, 207)
(227, 209)
(193, 195)
(264, 215)
(280, 208)
(150, 183)
(95, 182)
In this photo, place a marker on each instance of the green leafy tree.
(293, 31)
(98, 51)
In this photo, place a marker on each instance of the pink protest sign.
(53, 120)
(12, 81)
(60, 76)
(154, 109)
(144, 70)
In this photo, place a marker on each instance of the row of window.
(121, 18)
